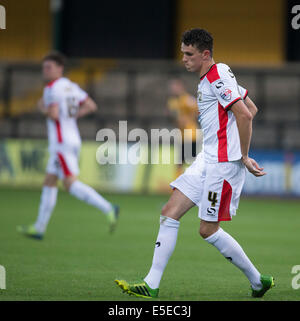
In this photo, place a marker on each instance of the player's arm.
(251, 106)
(244, 118)
(248, 102)
(51, 112)
(88, 106)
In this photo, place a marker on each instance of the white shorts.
(214, 188)
(63, 163)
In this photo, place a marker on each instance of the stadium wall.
(23, 163)
(258, 33)
(122, 29)
(244, 32)
(28, 30)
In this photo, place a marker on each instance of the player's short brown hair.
(57, 57)
(199, 38)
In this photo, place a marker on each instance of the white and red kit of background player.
(63, 134)
(214, 181)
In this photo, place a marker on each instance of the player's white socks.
(232, 251)
(87, 194)
(47, 204)
(164, 247)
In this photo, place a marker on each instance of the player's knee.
(68, 181)
(204, 233)
(169, 211)
(50, 180)
(207, 230)
(66, 185)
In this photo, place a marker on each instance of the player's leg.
(69, 171)
(47, 202)
(219, 203)
(88, 195)
(234, 253)
(231, 250)
(187, 191)
(175, 208)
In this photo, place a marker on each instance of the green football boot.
(112, 218)
(30, 231)
(139, 289)
(267, 283)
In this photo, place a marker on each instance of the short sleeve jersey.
(217, 92)
(68, 96)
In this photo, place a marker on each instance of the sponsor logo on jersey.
(219, 84)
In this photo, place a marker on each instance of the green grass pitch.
(79, 260)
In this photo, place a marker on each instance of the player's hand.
(253, 167)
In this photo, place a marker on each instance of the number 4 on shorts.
(212, 197)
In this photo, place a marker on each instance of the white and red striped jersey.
(63, 133)
(217, 92)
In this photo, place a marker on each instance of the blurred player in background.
(183, 107)
(213, 182)
(62, 104)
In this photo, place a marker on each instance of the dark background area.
(292, 35)
(123, 29)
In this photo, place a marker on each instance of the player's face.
(51, 70)
(192, 58)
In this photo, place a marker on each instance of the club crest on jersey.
(226, 94)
